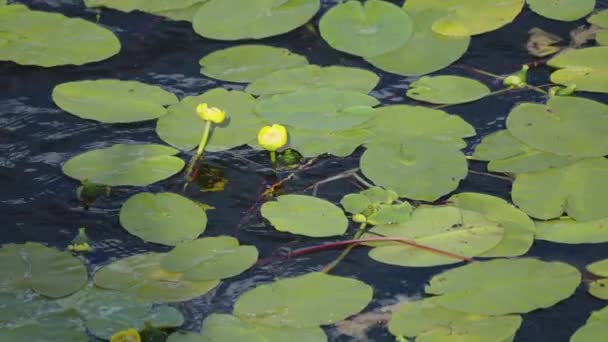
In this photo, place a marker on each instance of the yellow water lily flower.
(128, 335)
(272, 137)
(212, 114)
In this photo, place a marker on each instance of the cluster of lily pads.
(554, 153)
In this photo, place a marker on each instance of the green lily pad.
(579, 189)
(136, 165)
(450, 229)
(183, 128)
(567, 230)
(210, 258)
(504, 286)
(113, 101)
(519, 230)
(462, 18)
(586, 68)
(599, 19)
(366, 30)
(599, 268)
(142, 276)
(601, 37)
(397, 123)
(25, 318)
(507, 154)
(142, 5)
(222, 327)
(447, 89)
(305, 301)
(237, 19)
(326, 109)
(596, 328)
(245, 63)
(164, 218)
(182, 14)
(564, 10)
(51, 39)
(360, 202)
(47, 271)
(314, 76)
(568, 126)
(415, 169)
(599, 287)
(425, 51)
(305, 215)
(313, 142)
(427, 321)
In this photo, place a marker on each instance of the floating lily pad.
(498, 145)
(182, 14)
(567, 125)
(599, 268)
(183, 128)
(599, 19)
(518, 228)
(586, 68)
(47, 271)
(313, 142)
(377, 205)
(305, 301)
(142, 5)
(564, 10)
(25, 318)
(210, 258)
(567, 230)
(113, 101)
(450, 229)
(447, 89)
(305, 215)
(245, 63)
(427, 321)
(369, 29)
(599, 287)
(425, 52)
(222, 327)
(579, 189)
(601, 37)
(326, 109)
(416, 169)
(142, 276)
(462, 18)
(504, 286)
(314, 76)
(596, 328)
(136, 165)
(164, 218)
(237, 19)
(51, 39)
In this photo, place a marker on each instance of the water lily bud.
(272, 137)
(212, 114)
(518, 80)
(128, 335)
(359, 218)
(560, 91)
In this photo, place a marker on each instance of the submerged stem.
(347, 250)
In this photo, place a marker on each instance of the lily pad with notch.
(586, 68)
(567, 230)
(447, 89)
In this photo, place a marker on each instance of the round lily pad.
(182, 14)
(564, 10)
(245, 63)
(305, 215)
(365, 29)
(427, 321)
(569, 126)
(599, 19)
(136, 165)
(504, 286)
(341, 143)
(596, 328)
(599, 287)
(586, 68)
(183, 128)
(601, 37)
(425, 52)
(142, 276)
(113, 101)
(164, 218)
(579, 189)
(416, 169)
(142, 5)
(305, 301)
(447, 89)
(210, 258)
(462, 18)
(599, 268)
(47, 271)
(237, 19)
(314, 76)
(567, 230)
(51, 39)
(450, 229)
(319, 109)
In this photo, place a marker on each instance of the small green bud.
(519, 79)
(561, 91)
(80, 243)
(359, 218)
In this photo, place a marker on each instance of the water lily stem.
(347, 250)
(201, 149)
(273, 160)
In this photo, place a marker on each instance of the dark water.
(37, 202)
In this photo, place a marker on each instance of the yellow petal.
(128, 335)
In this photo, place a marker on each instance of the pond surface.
(38, 202)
